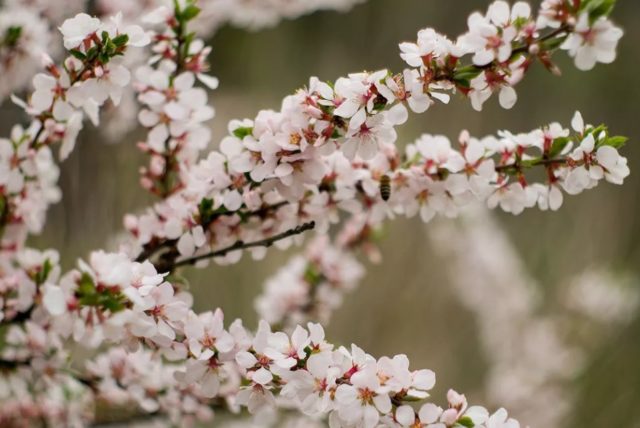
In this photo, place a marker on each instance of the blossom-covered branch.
(174, 110)
(300, 156)
(329, 151)
(63, 96)
(115, 300)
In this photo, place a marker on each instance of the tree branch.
(241, 245)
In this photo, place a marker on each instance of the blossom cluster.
(120, 378)
(329, 144)
(24, 36)
(62, 97)
(174, 110)
(430, 178)
(310, 286)
(111, 298)
(329, 153)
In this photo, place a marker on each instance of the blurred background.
(411, 303)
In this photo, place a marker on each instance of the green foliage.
(205, 209)
(558, 146)
(105, 298)
(465, 421)
(243, 131)
(190, 11)
(121, 40)
(597, 8)
(616, 142)
(312, 276)
(12, 35)
(464, 75)
(43, 274)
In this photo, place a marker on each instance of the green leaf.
(12, 35)
(465, 74)
(77, 54)
(466, 421)
(112, 303)
(243, 131)
(616, 142)
(86, 287)
(312, 276)
(121, 40)
(190, 12)
(558, 146)
(92, 53)
(205, 209)
(43, 274)
(597, 8)
(553, 43)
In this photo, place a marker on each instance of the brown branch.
(519, 165)
(241, 245)
(153, 248)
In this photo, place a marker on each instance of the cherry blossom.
(327, 155)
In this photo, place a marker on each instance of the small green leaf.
(12, 35)
(466, 421)
(616, 142)
(190, 12)
(43, 274)
(558, 146)
(86, 286)
(312, 276)
(205, 209)
(553, 43)
(121, 40)
(243, 131)
(465, 74)
(92, 53)
(77, 54)
(597, 8)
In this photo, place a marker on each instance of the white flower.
(500, 419)
(430, 45)
(365, 140)
(513, 198)
(490, 36)
(163, 310)
(75, 30)
(361, 402)
(615, 166)
(54, 299)
(205, 334)
(355, 98)
(286, 353)
(590, 44)
(137, 36)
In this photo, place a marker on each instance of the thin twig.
(241, 245)
(520, 165)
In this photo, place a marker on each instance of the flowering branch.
(329, 151)
(298, 159)
(63, 95)
(175, 110)
(240, 245)
(137, 306)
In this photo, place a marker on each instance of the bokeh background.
(407, 303)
